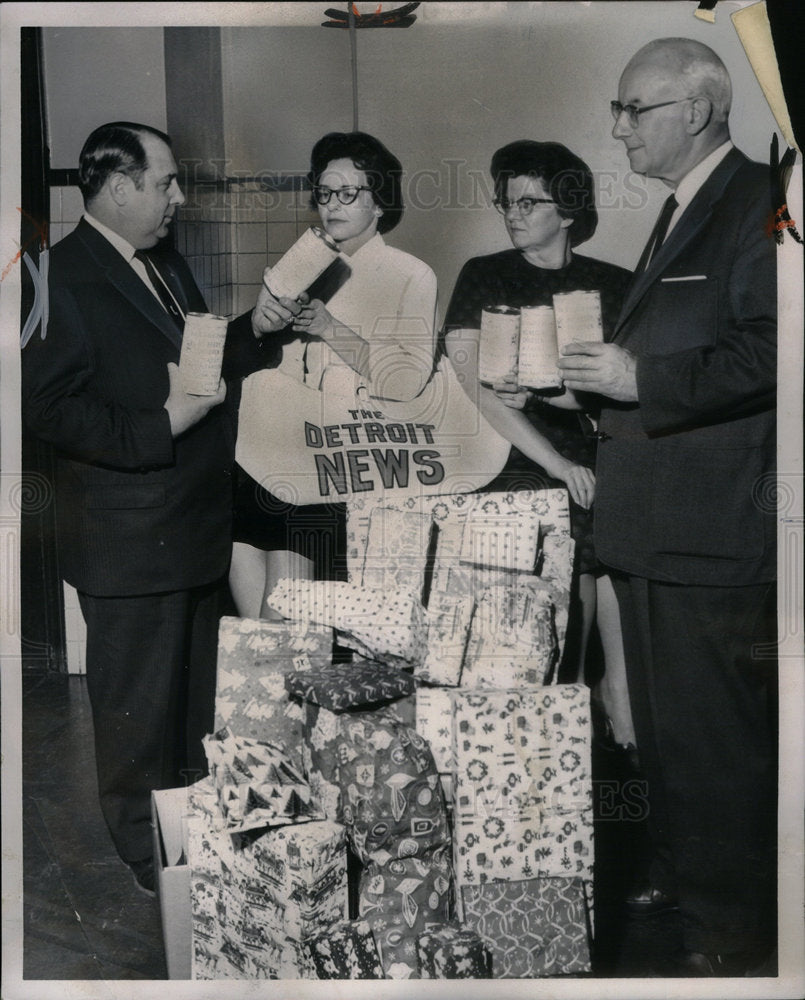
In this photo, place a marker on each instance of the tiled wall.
(227, 234)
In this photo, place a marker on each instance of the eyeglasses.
(525, 206)
(346, 195)
(633, 113)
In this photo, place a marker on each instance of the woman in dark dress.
(546, 197)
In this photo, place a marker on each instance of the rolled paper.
(299, 267)
(500, 337)
(202, 353)
(578, 317)
(539, 353)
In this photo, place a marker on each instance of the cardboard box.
(169, 810)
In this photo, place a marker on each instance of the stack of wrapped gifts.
(424, 811)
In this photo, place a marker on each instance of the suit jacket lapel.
(690, 223)
(120, 274)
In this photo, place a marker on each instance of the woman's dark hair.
(383, 170)
(565, 176)
(114, 147)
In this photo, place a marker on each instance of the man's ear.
(699, 114)
(119, 186)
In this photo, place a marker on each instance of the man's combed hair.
(114, 148)
(382, 168)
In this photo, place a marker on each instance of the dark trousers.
(151, 679)
(703, 699)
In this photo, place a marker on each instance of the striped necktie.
(166, 296)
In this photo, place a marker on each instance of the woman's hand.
(579, 480)
(270, 315)
(314, 319)
(512, 394)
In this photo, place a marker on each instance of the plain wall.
(444, 94)
(97, 75)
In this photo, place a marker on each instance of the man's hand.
(185, 409)
(271, 315)
(604, 368)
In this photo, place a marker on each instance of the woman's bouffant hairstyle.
(564, 175)
(114, 148)
(383, 170)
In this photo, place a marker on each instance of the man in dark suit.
(685, 469)
(143, 489)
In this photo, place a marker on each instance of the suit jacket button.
(603, 436)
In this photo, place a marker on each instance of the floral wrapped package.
(399, 899)
(536, 927)
(500, 538)
(256, 783)
(253, 659)
(346, 950)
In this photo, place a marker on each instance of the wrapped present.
(523, 784)
(434, 723)
(253, 659)
(536, 927)
(397, 548)
(256, 899)
(449, 513)
(447, 620)
(512, 639)
(392, 799)
(452, 952)
(501, 539)
(384, 626)
(320, 751)
(257, 784)
(350, 685)
(346, 950)
(399, 899)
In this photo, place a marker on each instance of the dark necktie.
(659, 232)
(160, 287)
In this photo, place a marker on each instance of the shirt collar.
(689, 185)
(123, 247)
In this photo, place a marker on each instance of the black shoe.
(144, 876)
(646, 901)
(699, 964)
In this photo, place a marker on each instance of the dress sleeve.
(403, 346)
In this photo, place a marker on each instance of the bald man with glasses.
(686, 456)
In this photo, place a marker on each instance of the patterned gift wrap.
(512, 639)
(501, 539)
(536, 927)
(346, 950)
(523, 792)
(448, 622)
(320, 750)
(387, 626)
(350, 685)
(399, 899)
(452, 952)
(548, 508)
(393, 805)
(257, 784)
(434, 723)
(255, 900)
(253, 659)
(397, 548)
